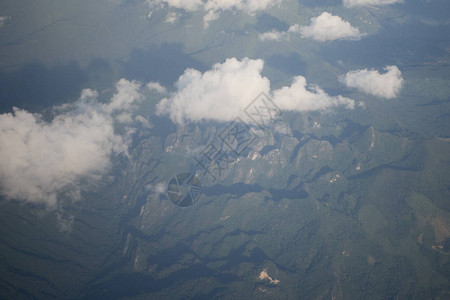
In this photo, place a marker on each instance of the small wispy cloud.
(213, 8)
(353, 3)
(159, 188)
(3, 20)
(172, 17)
(273, 35)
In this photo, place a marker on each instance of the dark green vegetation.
(345, 211)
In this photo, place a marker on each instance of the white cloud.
(40, 159)
(210, 16)
(273, 35)
(224, 92)
(294, 28)
(218, 94)
(126, 96)
(327, 27)
(159, 188)
(248, 6)
(156, 86)
(351, 3)
(144, 122)
(213, 8)
(188, 5)
(387, 85)
(172, 17)
(300, 97)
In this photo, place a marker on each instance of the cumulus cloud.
(218, 94)
(387, 85)
(223, 93)
(40, 159)
(213, 8)
(125, 98)
(327, 27)
(350, 3)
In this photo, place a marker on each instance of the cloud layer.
(40, 159)
(213, 8)
(387, 85)
(223, 93)
(350, 3)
